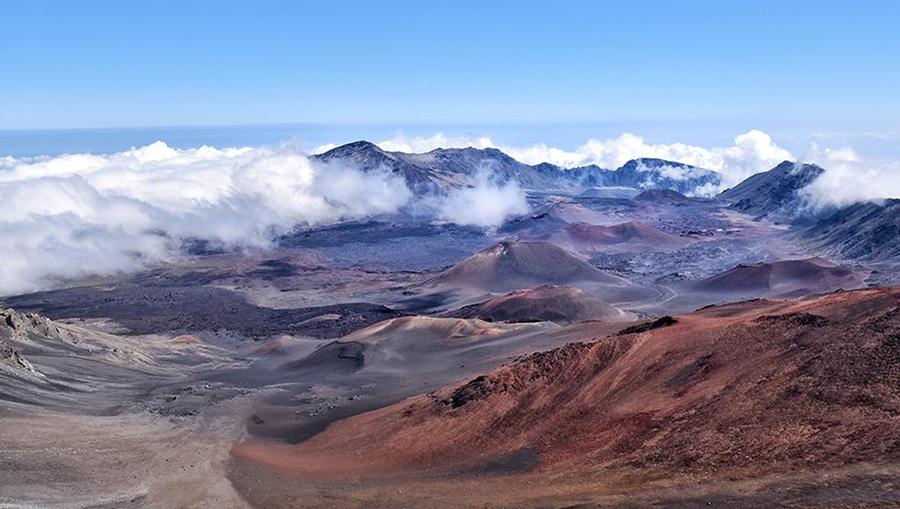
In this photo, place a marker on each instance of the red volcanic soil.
(785, 278)
(423, 329)
(632, 232)
(561, 304)
(731, 392)
(515, 265)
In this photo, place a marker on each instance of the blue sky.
(811, 66)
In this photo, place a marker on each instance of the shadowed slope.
(775, 193)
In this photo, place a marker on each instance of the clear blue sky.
(827, 65)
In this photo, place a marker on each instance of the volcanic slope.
(666, 197)
(862, 231)
(782, 278)
(775, 193)
(554, 303)
(424, 329)
(53, 364)
(509, 265)
(624, 236)
(92, 419)
(550, 218)
(48, 363)
(804, 391)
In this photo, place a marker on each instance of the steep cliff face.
(21, 328)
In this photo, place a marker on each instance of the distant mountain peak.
(354, 146)
(797, 166)
(653, 173)
(774, 193)
(652, 162)
(356, 151)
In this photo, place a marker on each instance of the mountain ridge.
(443, 169)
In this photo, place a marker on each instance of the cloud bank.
(84, 214)
(81, 214)
(850, 178)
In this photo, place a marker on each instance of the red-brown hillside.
(785, 277)
(740, 390)
(633, 232)
(554, 303)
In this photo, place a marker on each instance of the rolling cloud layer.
(84, 214)
(75, 215)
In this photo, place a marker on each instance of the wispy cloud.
(487, 203)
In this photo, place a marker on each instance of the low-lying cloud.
(75, 215)
(487, 203)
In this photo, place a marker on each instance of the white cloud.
(542, 153)
(752, 152)
(674, 172)
(321, 149)
(850, 178)
(487, 203)
(80, 214)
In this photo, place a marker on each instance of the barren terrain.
(396, 362)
